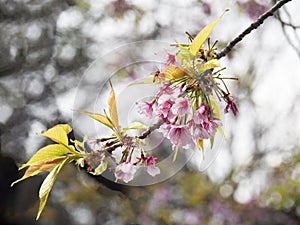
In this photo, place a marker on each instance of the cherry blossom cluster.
(181, 125)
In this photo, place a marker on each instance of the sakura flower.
(164, 89)
(199, 132)
(200, 114)
(180, 135)
(125, 171)
(151, 168)
(145, 108)
(163, 109)
(202, 125)
(180, 107)
(171, 58)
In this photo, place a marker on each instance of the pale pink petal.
(145, 108)
(181, 107)
(125, 171)
(180, 135)
(153, 170)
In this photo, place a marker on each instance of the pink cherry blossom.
(163, 109)
(181, 107)
(200, 114)
(180, 135)
(145, 108)
(171, 58)
(164, 89)
(151, 168)
(125, 171)
(202, 125)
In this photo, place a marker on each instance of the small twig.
(150, 130)
(252, 27)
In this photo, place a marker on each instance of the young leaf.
(100, 169)
(47, 152)
(100, 118)
(215, 108)
(200, 144)
(136, 125)
(213, 63)
(113, 107)
(173, 72)
(203, 35)
(58, 133)
(148, 80)
(47, 186)
(41, 166)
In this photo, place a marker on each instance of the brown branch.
(252, 27)
(150, 130)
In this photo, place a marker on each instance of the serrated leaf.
(41, 166)
(100, 169)
(203, 35)
(47, 186)
(113, 107)
(100, 118)
(47, 152)
(58, 133)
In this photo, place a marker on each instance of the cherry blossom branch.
(252, 27)
(150, 130)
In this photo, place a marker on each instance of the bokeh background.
(47, 45)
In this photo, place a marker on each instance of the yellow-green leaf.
(100, 169)
(47, 186)
(221, 132)
(148, 80)
(100, 118)
(175, 154)
(200, 144)
(173, 72)
(203, 35)
(58, 133)
(215, 108)
(213, 63)
(136, 125)
(47, 152)
(113, 107)
(41, 166)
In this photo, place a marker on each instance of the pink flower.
(171, 58)
(180, 135)
(125, 171)
(203, 125)
(200, 114)
(151, 168)
(230, 104)
(163, 109)
(181, 107)
(164, 89)
(145, 108)
(203, 130)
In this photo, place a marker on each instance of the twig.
(151, 129)
(252, 27)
